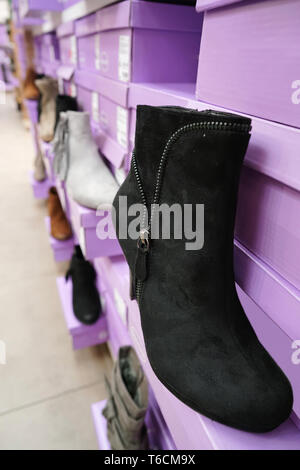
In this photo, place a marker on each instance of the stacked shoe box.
(260, 79)
(47, 54)
(119, 45)
(267, 201)
(68, 58)
(37, 8)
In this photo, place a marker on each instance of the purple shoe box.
(66, 84)
(106, 101)
(277, 317)
(100, 425)
(83, 336)
(67, 43)
(158, 432)
(203, 5)
(37, 41)
(49, 68)
(62, 250)
(85, 224)
(37, 8)
(249, 59)
(40, 189)
(136, 41)
(114, 274)
(268, 222)
(49, 47)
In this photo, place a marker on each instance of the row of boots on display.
(77, 161)
(85, 296)
(198, 338)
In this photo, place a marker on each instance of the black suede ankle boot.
(86, 301)
(64, 103)
(198, 339)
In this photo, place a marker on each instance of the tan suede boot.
(60, 227)
(49, 91)
(127, 403)
(30, 90)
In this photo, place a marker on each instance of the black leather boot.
(198, 339)
(86, 301)
(64, 103)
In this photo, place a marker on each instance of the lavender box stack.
(249, 59)
(139, 42)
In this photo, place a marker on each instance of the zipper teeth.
(214, 125)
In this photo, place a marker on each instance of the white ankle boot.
(89, 182)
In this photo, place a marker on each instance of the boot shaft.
(193, 160)
(48, 88)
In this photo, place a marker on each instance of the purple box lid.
(86, 25)
(65, 29)
(38, 7)
(83, 216)
(116, 273)
(66, 72)
(276, 297)
(114, 90)
(148, 15)
(203, 5)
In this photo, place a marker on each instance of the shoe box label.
(95, 106)
(97, 52)
(73, 50)
(122, 126)
(124, 58)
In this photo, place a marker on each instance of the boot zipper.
(143, 244)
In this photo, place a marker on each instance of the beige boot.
(127, 403)
(40, 173)
(49, 91)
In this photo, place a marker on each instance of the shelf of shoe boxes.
(266, 165)
(267, 227)
(109, 94)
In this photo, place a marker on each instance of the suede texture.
(198, 339)
(86, 302)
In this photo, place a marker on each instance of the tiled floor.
(46, 388)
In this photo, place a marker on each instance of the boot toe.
(234, 392)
